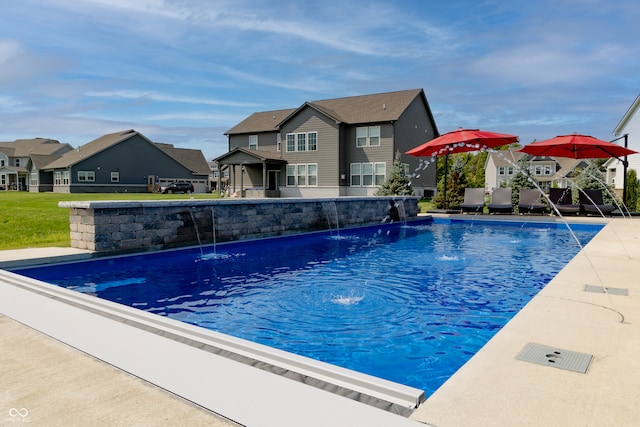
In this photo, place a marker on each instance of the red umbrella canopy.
(576, 146)
(460, 141)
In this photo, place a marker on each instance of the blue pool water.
(408, 304)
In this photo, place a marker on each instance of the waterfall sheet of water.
(195, 226)
(331, 214)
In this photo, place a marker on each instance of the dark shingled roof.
(192, 159)
(381, 107)
(27, 147)
(91, 148)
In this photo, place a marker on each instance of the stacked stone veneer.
(114, 226)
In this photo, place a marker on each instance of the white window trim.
(253, 142)
(369, 135)
(296, 136)
(296, 177)
(86, 176)
(361, 175)
(115, 175)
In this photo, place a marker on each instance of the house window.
(355, 174)
(368, 136)
(380, 173)
(510, 170)
(368, 174)
(547, 170)
(253, 142)
(501, 170)
(312, 141)
(115, 176)
(66, 177)
(278, 142)
(3, 179)
(302, 175)
(17, 161)
(302, 142)
(33, 179)
(1, 162)
(86, 176)
(291, 142)
(538, 171)
(57, 178)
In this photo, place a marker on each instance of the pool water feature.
(408, 304)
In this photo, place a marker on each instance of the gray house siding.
(413, 129)
(310, 120)
(371, 154)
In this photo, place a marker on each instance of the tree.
(456, 183)
(592, 178)
(398, 183)
(521, 179)
(633, 190)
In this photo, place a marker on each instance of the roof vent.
(384, 106)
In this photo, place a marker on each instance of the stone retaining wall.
(116, 226)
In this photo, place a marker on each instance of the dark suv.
(178, 187)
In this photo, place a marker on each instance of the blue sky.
(185, 71)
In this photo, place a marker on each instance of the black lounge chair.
(501, 201)
(591, 203)
(531, 201)
(562, 199)
(473, 200)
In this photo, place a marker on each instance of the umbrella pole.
(444, 184)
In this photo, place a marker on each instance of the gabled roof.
(92, 148)
(375, 108)
(627, 116)
(27, 147)
(266, 121)
(42, 160)
(191, 159)
(244, 155)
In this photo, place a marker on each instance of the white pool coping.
(174, 356)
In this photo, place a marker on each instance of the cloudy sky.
(185, 71)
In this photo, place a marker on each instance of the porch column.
(219, 179)
(264, 179)
(241, 179)
(233, 176)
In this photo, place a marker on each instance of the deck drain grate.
(556, 357)
(610, 291)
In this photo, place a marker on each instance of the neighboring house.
(15, 158)
(214, 175)
(627, 133)
(126, 162)
(329, 148)
(502, 165)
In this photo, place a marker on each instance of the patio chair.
(530, 201)
(473, 200)
(501, 201)
(591, 203)
(562, 199)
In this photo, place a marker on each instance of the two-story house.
(329, 148)
(502, 165)
(627, 132)
(16, 156)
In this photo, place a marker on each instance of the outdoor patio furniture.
(473, 200)
(562, 199)
(591, 203)
(530, 201)
(501, 201)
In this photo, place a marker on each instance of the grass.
(30, 220)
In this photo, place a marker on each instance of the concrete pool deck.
(58, 385)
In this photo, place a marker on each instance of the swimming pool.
(408, 304)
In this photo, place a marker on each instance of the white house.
(629, 125)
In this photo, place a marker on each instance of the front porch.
(252, 173)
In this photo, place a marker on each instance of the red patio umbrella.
(576, 146)
(461, 141)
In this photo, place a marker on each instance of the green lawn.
(35, 220)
